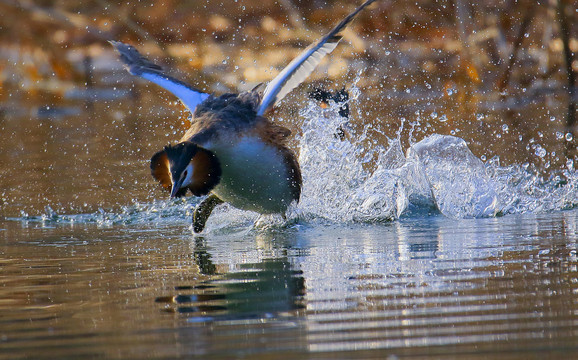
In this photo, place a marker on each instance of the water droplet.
(505, 128)
(479, 117)
(540, 151)
(434, 115)
(559, 135)
(444, 118)
(552, 118)
(569, 136)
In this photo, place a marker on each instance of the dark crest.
(180, 155)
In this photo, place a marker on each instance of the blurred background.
(78, 131)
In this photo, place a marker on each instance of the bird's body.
(257, 176)
(232, 152)
(259, 172)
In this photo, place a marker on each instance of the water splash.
(158, 212)
(342, 183)
(352, 179)
(458, 181)
(336, 183)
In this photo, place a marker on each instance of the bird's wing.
(138, 65)
(304, 64)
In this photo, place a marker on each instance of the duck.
(232, 153)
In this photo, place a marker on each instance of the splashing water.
(336, 184)
(458, 181)
(345, 181)
(438, 173)
(159, 212)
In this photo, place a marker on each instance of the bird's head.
(186, 166)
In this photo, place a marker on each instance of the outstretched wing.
(303, 65)
(138, 65)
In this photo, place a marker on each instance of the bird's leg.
(203, 211)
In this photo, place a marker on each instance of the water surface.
(427, 286)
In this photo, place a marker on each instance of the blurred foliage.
(199, 33)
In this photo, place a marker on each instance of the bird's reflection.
(203, 257)
(251, 290)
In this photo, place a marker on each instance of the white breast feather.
(255, 176)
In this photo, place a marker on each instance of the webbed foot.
(203, 211)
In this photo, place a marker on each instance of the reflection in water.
(203, 258)
(418, 286)
(253, 290)
(411, 246)
(483, 286)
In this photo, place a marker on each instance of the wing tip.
(133, 60)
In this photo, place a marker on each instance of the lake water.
(421, 286)
(425, 253)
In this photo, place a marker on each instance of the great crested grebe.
(231, 151)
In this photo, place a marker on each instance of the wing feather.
(304, 64)
(138, 65)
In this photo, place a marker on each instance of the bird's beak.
(176, 188)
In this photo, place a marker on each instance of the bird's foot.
(203, 211)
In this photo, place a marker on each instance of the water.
(494, 287)
(398, 247)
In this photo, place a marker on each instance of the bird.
(341, 98)
(232, 152)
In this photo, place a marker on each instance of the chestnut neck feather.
(168, 164)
